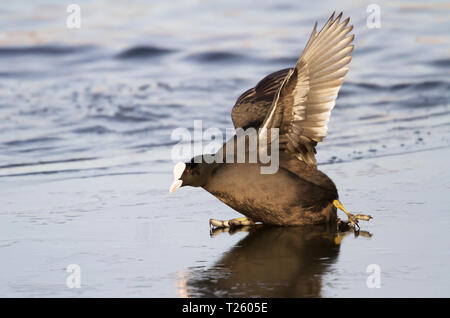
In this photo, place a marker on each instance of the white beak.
(177, 173)
(175, 185)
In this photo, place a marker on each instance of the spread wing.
(302, 106)
(252, 106)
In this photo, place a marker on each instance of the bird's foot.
(352, 218)
(244, 221)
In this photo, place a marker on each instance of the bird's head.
(193, 173)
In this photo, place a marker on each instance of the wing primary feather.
(302, 106)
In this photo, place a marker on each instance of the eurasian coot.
(297, 102)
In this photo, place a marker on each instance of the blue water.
(80, 106)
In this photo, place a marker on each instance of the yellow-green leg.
(244, 221)
(352, 218)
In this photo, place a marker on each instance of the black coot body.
(297, 103)
(297, 196)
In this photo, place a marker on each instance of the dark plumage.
(252, 106)
(295, 195)
(298, 102)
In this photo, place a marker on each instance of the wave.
(21, 142)
(139, 52)
(441, 62)
(13, 51)
(216, 56)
